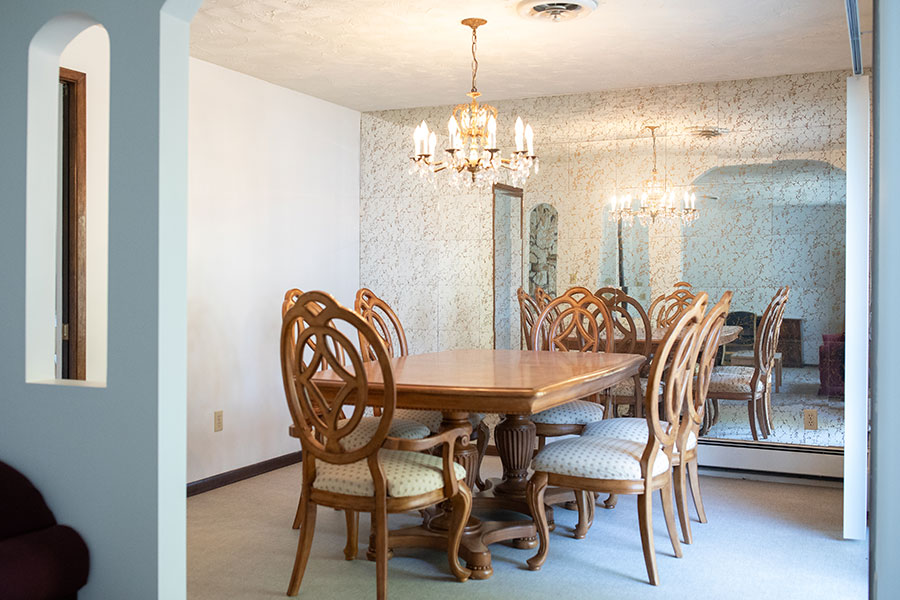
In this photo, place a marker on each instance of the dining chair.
(752, 385)
(528, 315)
(684, 456)
(542, 297)
(633, 335)
(401, 428)
(384, 320)
(346, 464)
(576, 321)
(665, 309)
(598, 464)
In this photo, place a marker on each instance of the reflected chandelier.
(658, 202)
(472, 155)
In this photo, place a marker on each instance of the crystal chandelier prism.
(472, 156)
(658, 203)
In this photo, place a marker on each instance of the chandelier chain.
(474, 58)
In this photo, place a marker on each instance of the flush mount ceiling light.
(556, 12)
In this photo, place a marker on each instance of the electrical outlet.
(810, 418)
(217, 421)
(573, 277)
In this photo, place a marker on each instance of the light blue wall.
(885, 526)
(110, 461)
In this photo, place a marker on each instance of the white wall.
(89, 53)
(274, 204)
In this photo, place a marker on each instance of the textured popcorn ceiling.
(382, 54)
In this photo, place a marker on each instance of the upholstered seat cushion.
(626, 387)
(745, 354)
(408, 474)
(596, 458)
(578, 412)
(628, 428)
(732, 380)
(400, 428)
(429, 418)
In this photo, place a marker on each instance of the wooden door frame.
(75, 264)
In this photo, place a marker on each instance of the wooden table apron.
(513, 383)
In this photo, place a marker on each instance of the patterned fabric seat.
(578, 412)
(628, 428)
(596, 458)
(400, 428)
(732, 380)
(429, 418)
(626, 387)
(408, 474)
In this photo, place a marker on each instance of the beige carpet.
(764, 540)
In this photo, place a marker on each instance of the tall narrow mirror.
(509, 264)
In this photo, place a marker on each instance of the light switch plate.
(217, 421)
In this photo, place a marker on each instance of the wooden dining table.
(513, 383)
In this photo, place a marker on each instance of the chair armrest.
(448, 440)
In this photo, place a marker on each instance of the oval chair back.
(324, 415)
(708, 345)
(665, 309)
(673, 366)
(384, 320)
(528, 315)
(578, 321)
(634, 333)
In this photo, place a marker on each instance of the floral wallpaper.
(770, 190)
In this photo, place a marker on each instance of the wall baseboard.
(233, 476)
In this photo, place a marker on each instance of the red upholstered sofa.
(831, 365)
(39, 559)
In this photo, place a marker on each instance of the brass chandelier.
(657, 202)
(472, 156)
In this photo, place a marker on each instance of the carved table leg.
(514, 437)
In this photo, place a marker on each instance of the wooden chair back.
(665, 309)
(634, 333)
(321, 420)
(528, 315)
(673, 366)
(708, 347)
(290, 299)
(767, 337)
(384, 320)
(577, 321)
(542, 297)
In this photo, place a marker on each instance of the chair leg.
(751, 412)
(379, 521)
(298, 516)
(352, 547)
(462, 508)
(585, 504)
(761, 417)
(778, 366)
(665, 494)
(645, 520)
(307, 529)
(678, 474)
(610, 501)
(537, 485)
(695, 489)
(481, 444)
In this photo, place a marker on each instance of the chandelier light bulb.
(520, 131)
(529, 139)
